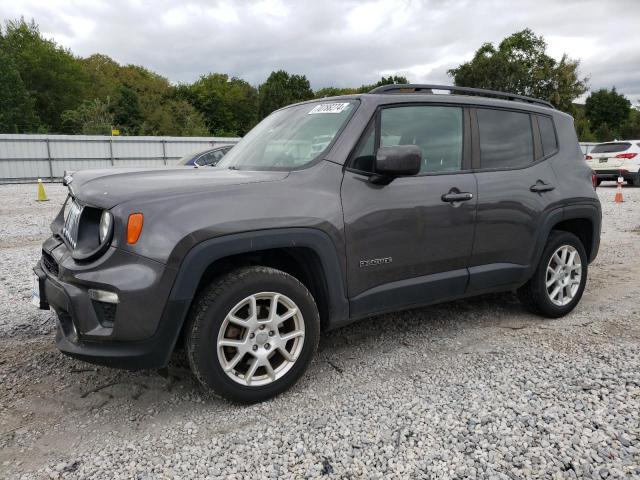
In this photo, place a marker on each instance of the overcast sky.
(338, 43)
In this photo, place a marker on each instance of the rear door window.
(506, 138)
(547, 135)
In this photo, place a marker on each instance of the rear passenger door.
(516, 186)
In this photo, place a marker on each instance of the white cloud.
(375, 16)
(223, 12)
(272, 8)
(338, 42)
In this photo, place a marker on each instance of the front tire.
(559, 280)
(252, 334)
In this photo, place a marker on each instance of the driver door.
(407, 244)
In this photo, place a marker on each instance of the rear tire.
(556, 287)
(252, 334)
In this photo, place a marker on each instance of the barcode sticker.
(329, 108)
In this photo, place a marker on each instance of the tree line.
(45, 88)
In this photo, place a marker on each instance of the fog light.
(103, 296)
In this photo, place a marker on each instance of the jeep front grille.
(71, 222)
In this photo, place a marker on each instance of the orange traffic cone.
(618, 198)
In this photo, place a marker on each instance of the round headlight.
(105, 225)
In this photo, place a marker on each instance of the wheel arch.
(306, 253)
(583, 220)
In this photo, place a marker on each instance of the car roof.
(392, 98)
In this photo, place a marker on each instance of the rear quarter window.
(547, 135)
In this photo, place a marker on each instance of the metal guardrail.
(25, 158)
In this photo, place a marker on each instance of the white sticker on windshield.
(328, 108)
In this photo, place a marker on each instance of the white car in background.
(586, 147)
(611, 160)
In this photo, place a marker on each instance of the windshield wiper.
(232, 167)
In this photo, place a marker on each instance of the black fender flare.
(205, 253)
(587, 211)
(592, 212)
(198, 259)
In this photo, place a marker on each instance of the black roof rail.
(481, 92)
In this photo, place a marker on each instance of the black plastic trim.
(577, 211)
(204, 254)
(537, 140)
(428, 89)
(494, 276)
(590, 212)
(409, 293)
(153, 352)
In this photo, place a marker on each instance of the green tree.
(175, 117)
(607, 107)
(630, 128)
(390, 80)
(16, 106)
(603, 133)
(521, 65)
(333, 91)
(103, 74)
(229, 105)
(52, 76)
(127, 114)
(153, 90)
(282, 89)
(90, 118)
(582, 124)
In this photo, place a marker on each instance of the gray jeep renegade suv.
(327, 212)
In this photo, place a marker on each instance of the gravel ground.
(471, 389)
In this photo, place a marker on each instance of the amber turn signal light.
(134, 227)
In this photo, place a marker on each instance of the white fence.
(26, 158)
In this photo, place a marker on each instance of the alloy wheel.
(260, 339)
(564, 273)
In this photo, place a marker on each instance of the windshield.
(289, 138)
(611, 147)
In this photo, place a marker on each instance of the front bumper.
(137, 332)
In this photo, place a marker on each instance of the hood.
(106, 188)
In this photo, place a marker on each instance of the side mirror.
(396, 161)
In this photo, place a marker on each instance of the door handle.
(540, 187)
(457, 197)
